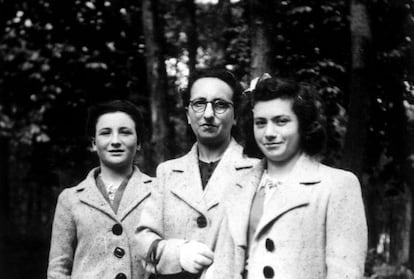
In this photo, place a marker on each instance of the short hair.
(305, 105)
(220, 74)
(125, 106)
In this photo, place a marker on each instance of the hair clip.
(255, 81)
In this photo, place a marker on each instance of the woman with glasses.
(290, 216)
(95, 221)
(174, 226)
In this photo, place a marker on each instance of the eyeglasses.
(219, 106)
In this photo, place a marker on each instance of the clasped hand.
(195, 256)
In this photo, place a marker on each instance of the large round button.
(268, 272)
(117, 229)
(201, 222)
(119, 252)
(120, 276)
(270, 245)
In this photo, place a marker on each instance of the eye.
(126, 131)
(259, 123)
(221, 104)
(281, 121)
(199, 103)
(104, 132)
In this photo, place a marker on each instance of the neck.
(115, 175)
(281, 170)
(213, 152)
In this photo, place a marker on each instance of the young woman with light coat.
(289, 217)
(94, 221)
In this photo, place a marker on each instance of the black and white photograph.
(207, 139)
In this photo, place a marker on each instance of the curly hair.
(125, 106)
(305, 105)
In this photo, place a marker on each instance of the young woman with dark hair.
(290, 216)
(95, 221)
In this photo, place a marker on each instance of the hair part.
(305, 105)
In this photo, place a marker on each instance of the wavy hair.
(305, 105)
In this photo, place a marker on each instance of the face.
(210, 127)
(115, 140)
(276, 130)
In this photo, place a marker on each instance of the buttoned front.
(89, 240)
(312, 228)
(181, 210)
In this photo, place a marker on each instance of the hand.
(195, 256)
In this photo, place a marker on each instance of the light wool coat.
(174, 212)
(313, 227)
(83, 239)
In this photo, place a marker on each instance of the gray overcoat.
(89, 240)
(312, 228)
(181, 210)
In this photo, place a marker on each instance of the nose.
(209, 112)
(115, 140)
(270, 132)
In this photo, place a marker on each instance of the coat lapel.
(90, 195)
(238, 205)
(225, 172)
(295, 193)
(186, 181)
(137, 189)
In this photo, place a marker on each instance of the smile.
(116, 152)
(272, 144)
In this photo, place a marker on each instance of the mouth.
(207, 125)
(116, 152)
(272, 144)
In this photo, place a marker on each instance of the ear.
(188, 116)
(93, 143)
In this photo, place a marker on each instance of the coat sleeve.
(346, 230)
(63, 241)
(151, 227)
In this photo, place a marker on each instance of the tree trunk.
(359, 105)
(192, 40)
(156, 79)
(261, 59)
(360, 89)
(5, 208)
(219, 45)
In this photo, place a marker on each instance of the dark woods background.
(59, 57)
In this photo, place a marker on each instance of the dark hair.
(305, 105)
(125, 106)
(222, 75)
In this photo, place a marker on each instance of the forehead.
(274, 107)
(112, 119)
(211, 88)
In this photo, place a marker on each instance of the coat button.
(268, 272)
(201, 222)
(120, 276)
(117, 229)
(270, 245)
(119, 252)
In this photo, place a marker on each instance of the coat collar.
(296, 193)
(137, 189)
(191, 189)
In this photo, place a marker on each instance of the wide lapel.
(297, 192)
(238, 205)
(137, 189)
(91, 195)
(225, 173)
(185, 176)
